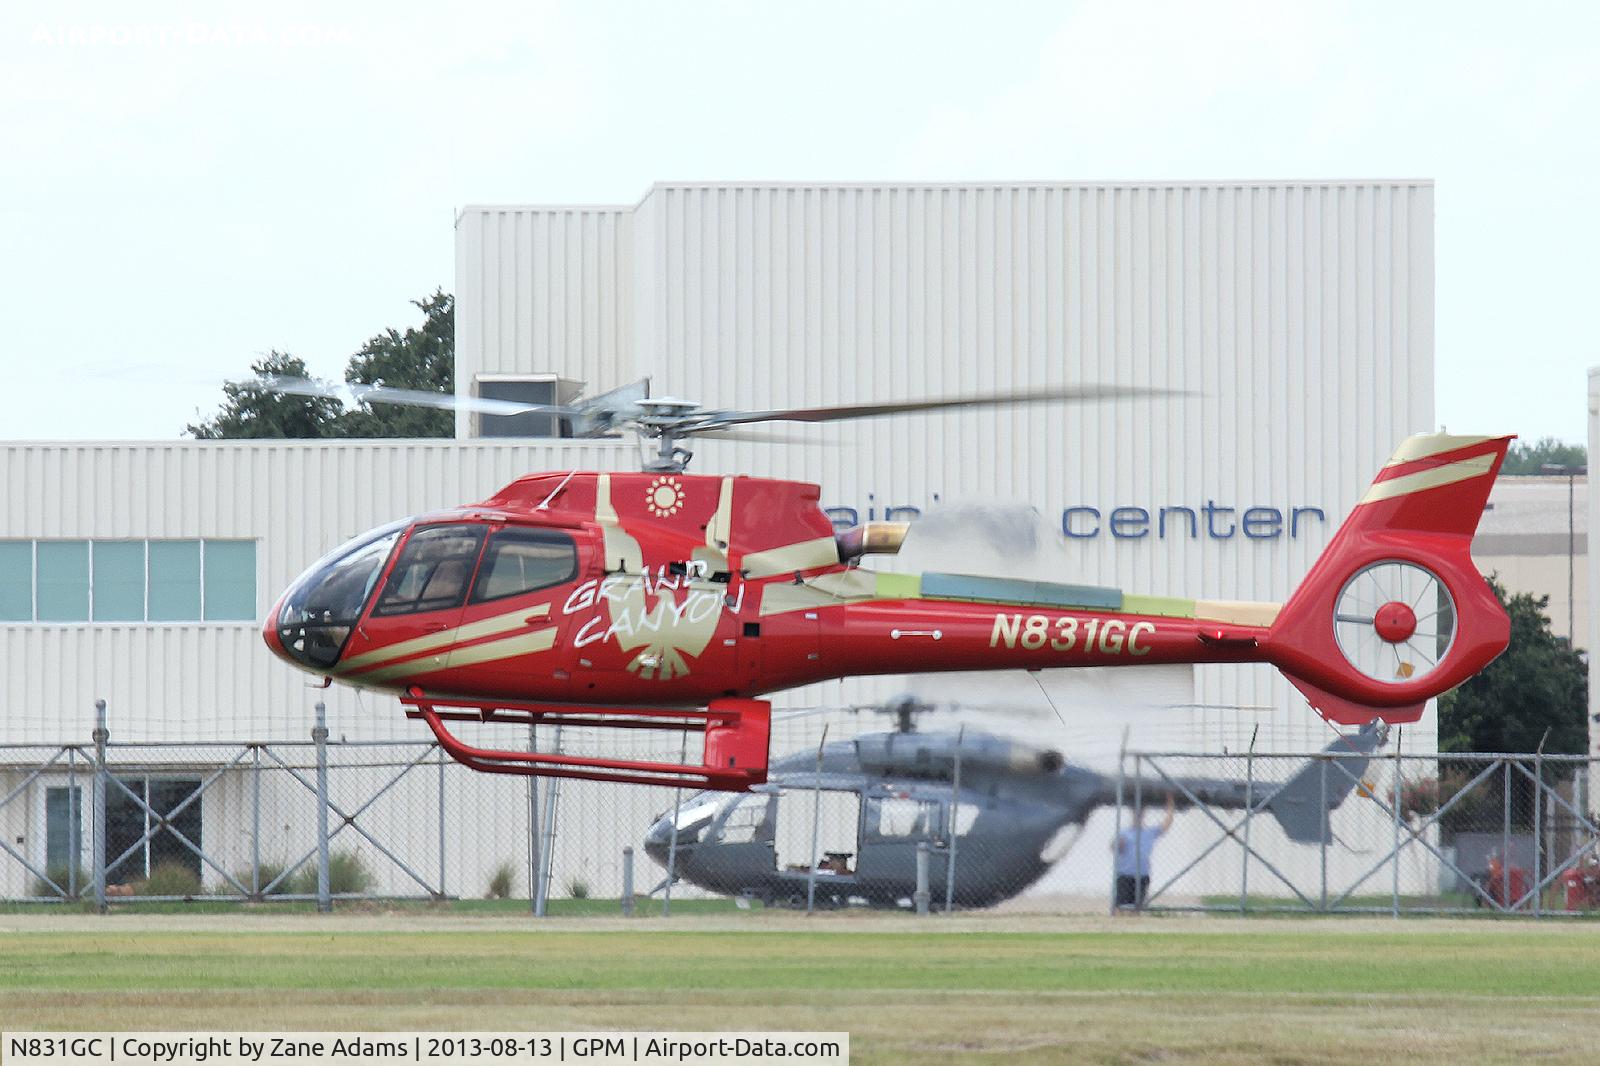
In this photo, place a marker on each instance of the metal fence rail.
(106, 822)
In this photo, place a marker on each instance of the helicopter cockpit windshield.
(320, 608)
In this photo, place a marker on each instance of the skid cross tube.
(736, 733)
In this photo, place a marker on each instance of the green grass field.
(968, 989)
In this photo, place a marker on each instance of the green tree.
(423, 359)
(251, 412)
(1538, 683)
(1532, 458)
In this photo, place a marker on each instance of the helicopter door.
(512, 628)
(749, 634)
(419, 606)
(893, 827)
(836, 816)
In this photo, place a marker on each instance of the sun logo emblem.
(664, 497)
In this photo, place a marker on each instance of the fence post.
(1116, 825)
(1138, 828)
(1538, 826)
(1327, 818)
(816, 818)
(1249, 811)
(75, 825)
(319, 735)
(1505, 833)
(439, 895)
(255, 826)
(922, 894)
(101, 735)
(955, 809)
(627, 882)
(1394, 812)
(547, 856)
(672, 843)
(533, 828)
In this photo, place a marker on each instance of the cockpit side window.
(525, 560)
(745, 821)
(433, 571)
(891, 817)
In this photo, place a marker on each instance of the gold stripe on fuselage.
(824, 590)
(487, 652)
(484, 627)
(806, 555)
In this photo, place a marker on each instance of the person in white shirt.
(1133, 848)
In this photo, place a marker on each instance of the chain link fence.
(1344, 833)
(947, 821)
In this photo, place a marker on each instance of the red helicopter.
(665, 600)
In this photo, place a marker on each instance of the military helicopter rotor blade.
(841, 412)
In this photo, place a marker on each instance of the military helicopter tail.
(1301, 805)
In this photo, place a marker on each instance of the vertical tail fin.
(1394, 612)
(1302, 804)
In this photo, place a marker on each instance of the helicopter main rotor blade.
(293, 387)
(362, 393)
(756, 436)
(451, 402)
(840, 412)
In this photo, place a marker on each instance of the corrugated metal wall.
(551, 289)
(1298, 315)
(216, 681)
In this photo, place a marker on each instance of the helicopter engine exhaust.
(871, 538)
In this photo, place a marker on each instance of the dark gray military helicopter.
(1015, 812)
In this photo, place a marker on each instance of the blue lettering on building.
(1211, 520)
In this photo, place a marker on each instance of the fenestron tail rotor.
(671, 422)
(1394, 621)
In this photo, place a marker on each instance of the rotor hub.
(1395, 622)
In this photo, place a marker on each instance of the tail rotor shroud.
(1395, 621)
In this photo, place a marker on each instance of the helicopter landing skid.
(735, 754)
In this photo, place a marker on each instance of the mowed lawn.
(1132, 991)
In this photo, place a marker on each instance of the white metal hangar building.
(1297, 317)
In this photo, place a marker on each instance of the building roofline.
(939, 186)
(318, 442)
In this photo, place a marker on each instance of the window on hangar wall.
(127, 580)
(525, 388)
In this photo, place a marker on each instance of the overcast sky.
(187, 186)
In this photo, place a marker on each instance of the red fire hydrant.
(1506, 887)
(1583, 886)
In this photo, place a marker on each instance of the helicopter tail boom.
(1301, 805)
(1394, 611)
